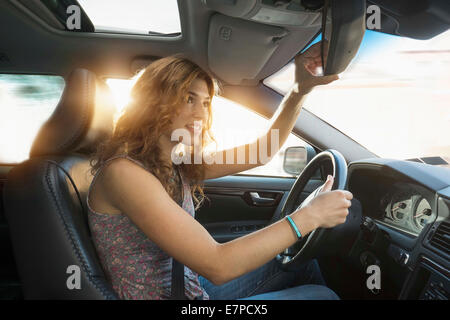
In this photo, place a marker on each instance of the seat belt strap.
(177, 291)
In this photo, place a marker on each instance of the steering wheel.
(330, 162)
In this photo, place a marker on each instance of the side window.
(234, 124)
(26, 102)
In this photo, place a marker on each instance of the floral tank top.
(135, 266)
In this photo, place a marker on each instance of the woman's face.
(194, 112)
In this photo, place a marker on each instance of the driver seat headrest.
(82, 118)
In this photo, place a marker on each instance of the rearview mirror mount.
(343, 28)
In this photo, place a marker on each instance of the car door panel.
(10, 287)
(241, 204)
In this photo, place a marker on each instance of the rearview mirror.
(343, 27)
(296, 158)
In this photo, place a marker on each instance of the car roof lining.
(112, 55)
(48, 49)
(43, 12)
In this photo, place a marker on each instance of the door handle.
(257, 200)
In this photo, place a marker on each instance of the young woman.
(141, 208)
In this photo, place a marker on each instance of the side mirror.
(296, 158)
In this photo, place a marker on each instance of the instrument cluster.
(405, 208)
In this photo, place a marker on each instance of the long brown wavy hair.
(155, 98)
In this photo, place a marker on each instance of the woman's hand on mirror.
(307, 69)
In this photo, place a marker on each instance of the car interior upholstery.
(45, 196)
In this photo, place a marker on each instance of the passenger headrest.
(82, 118)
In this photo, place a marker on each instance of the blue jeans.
(269, 282)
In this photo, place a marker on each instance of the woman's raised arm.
(282, 121)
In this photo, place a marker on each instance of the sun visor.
(244, 45)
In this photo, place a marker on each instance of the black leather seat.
(45, 196)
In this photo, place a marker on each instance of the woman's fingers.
(311, 68)
(328, 184)
(308, 66)
(313, 51)
(348, 203)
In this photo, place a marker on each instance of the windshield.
(394, 98)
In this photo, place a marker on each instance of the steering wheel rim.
(309, 246)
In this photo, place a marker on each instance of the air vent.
(441, 238)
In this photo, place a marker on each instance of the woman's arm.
(139, 194)
(281, 122)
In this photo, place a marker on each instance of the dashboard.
(393, 199)
(405, 211)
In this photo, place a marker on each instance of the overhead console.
(295, 13)
(258, 37)
(244, 45)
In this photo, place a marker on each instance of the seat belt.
(177, 292)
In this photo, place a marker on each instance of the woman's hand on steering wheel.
(329, 208)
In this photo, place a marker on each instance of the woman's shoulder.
(122, 162)
(115, 177)
(122, 170)
(98, 197)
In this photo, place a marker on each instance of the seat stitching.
(70, 237)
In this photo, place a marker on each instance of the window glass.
(26, 102)
(393, 98)
(234, 124)
(133, 16)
